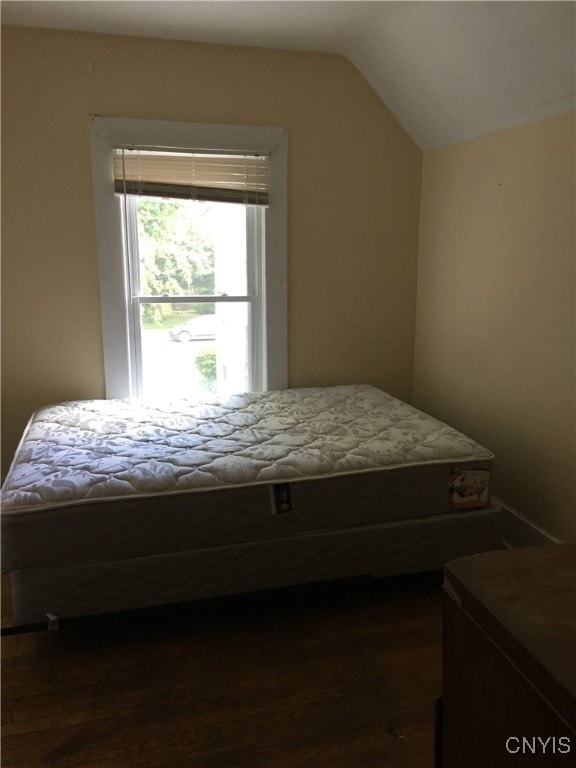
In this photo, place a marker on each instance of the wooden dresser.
(509, 661)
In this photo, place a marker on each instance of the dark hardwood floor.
(339, 676)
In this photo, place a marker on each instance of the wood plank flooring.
(339, 676)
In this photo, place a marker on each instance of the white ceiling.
(448, 70)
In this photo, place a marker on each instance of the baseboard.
(519, 532)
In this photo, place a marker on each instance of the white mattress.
(83, 451)
(112, 479)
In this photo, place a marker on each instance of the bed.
(118, 504)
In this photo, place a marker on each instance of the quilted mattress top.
(91, 450)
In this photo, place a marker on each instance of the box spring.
(407, 546)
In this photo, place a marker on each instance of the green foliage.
(153, 315)
(206, 364)
(175, 257)
(155, 217)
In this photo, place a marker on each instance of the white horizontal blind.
(233, 178)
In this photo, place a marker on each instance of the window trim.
(109, 133)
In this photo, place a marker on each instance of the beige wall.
(352, 251)
(495, 340)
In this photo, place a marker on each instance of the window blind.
(232, 178)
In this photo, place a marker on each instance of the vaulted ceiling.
(448, 70)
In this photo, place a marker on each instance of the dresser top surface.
(525, 599)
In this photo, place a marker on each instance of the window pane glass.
(190, 247)
(194, 349)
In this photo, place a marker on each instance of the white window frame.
(270, 348)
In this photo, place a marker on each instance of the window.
(191, 224)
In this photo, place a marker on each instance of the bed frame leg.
(53, 622)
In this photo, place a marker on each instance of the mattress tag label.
(469, 488)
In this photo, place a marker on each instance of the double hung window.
(192, 248)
